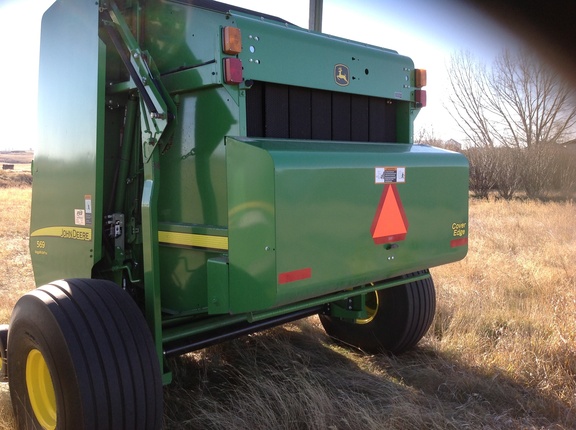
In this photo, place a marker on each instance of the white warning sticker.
(79, 217)
(389, 175)
(88, 209)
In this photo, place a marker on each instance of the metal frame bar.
(315, 22)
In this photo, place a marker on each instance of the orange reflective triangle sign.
(390, 223)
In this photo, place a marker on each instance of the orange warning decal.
(390, 223)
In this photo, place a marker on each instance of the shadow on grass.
(294, 377)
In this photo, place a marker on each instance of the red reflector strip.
(295, 275)
(459, 242)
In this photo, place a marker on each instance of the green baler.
(205, 172)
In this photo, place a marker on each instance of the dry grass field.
(501, 353)
(21, 160)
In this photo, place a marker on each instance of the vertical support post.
(126, 152)
(151, 255)
(405, 115)
(315, 22)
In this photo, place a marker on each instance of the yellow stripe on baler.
(191, 239)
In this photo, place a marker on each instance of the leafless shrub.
(507, 171)
(540, 172)
(482, 171)
(564, 172)
(537, 170)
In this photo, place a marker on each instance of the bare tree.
(519, 102)
(427, 136)
(468, 99)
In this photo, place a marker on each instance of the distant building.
(453, 145)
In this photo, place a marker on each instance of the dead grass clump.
(509, 307)
(6, 415)
(16, 276)
(10, 179)
(288, 379)
(16, 272)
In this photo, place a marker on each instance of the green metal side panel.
(182, 36)
(66, 227)
(311, 218)
(186, 42)
(251, 226)
(193, 186)
(274, 52)
(193, 194)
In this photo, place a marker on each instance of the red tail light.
(232, 71)
(420, 98)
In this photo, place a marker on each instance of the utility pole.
(315, 22)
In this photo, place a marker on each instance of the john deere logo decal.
(341, 75)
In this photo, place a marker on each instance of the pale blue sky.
(427, 31)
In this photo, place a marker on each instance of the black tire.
(3, 346)
(90, 359)
(398, 318)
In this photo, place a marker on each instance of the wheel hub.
(41, 389)
(371, 307)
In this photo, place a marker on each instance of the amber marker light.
(419, 78)
(231, 40)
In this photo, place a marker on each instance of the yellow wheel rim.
(41, 390)
(371, 307)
